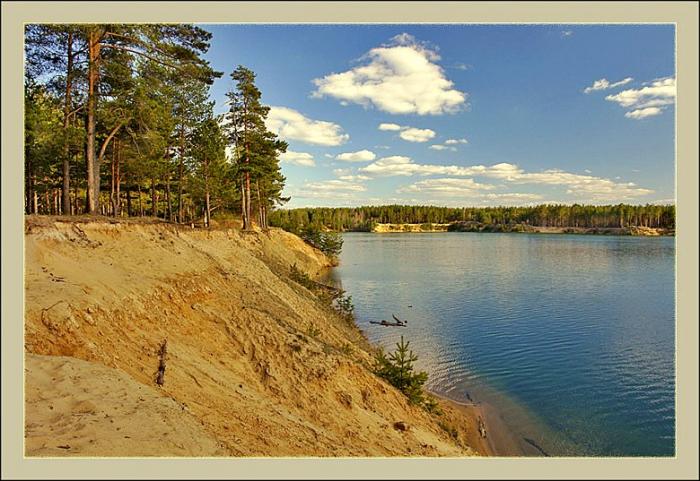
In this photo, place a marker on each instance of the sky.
(463, 115)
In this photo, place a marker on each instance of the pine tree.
(256, 149)
(397, 368)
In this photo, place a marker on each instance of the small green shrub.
(301, 277)
(451, 430)
(397, 369)
(313, 331)
(431, 405)
(344, 305)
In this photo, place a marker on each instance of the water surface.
(570, 337)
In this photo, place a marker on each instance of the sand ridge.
(257, 364)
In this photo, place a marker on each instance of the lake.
(571, 338)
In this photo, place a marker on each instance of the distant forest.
(547, 215)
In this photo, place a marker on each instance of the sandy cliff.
(257, 365)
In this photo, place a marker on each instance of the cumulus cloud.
(359, 156)
(399, 78)
(643, 113)
(335, 185)
(578, 185)
(447, 186)
(442, 147)
(650, 100)
(298, 158)
(292, 125)
(335, 190)
(354, 178)
(410, 134)
(604, 84)
(417, 135)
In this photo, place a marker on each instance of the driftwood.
(399, 320)
(384, 322)
(162, 353)
(482, 428)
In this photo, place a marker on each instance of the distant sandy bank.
(521, 228)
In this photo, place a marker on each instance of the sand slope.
(79, 408)
(256, 363)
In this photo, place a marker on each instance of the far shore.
(520, 228)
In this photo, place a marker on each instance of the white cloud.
(359, 156)
(652, 99)
(567, 33)
(576, 184)
(453, 189)
(411, 134)
(292, 125)
(446, 186)
(354, 178)
(400, 78)
(398, 165)
(335, 186)
(441, 147)
(456, 141)
(643, 113)
(346, 175)
(335, 190)
(298, 158)
(604, 84)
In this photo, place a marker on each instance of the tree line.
(545, 215)
(118, 122)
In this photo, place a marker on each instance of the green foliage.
(156, 142)
(301, 277)
(346, 349)
(344, 305)
(256, 149)
(449, 429)
(330, 243)
(397, 368)
(363, 219)
(312, 331)
(431, 405)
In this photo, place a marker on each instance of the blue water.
(570, 337)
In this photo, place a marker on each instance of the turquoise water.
(570, 337)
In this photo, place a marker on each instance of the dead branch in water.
(162, 353)
(384, 322)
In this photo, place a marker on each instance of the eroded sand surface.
(257, 364)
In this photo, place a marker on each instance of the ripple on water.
(570, 337)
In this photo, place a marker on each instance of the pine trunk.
(154, 198)
(180, 171)
(65, 188)
(92, 191)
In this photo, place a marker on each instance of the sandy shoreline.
(496, 438)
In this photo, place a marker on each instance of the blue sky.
(469, 114)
